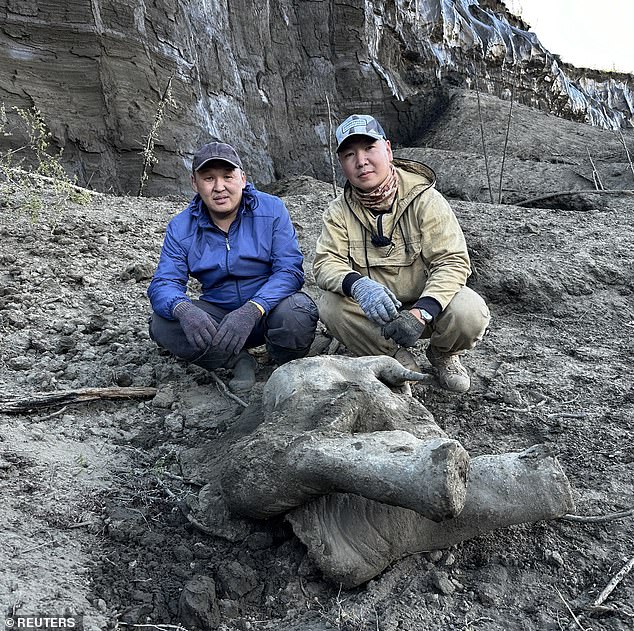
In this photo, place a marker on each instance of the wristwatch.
(424, 315)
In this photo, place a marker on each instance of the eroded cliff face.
(258, 73)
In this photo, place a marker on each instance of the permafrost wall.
(257, 73)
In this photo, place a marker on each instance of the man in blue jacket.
(240, 244)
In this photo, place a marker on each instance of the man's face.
(365, 161)
(220, 185)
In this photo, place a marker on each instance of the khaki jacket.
(428, 255)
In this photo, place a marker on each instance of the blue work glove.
(235, 327)
(405, 330)
(197, 324)
(377, 301)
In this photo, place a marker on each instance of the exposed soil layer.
(96, 498)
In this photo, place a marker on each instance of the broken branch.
(37, 400)
(598, 519)
(226, 392)
(611, 586)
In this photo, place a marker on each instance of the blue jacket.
(258, 259)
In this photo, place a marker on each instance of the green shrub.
(31, 176)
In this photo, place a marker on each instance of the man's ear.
(388, 144)
(244, 178)
(194, 185)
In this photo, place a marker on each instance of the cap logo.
(357, 124)
(352, 124)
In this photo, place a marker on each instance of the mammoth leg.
(394, 467)
(268, 476)
(352, 539)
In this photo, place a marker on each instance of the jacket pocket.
(396, 255)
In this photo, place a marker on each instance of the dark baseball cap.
(216, 151)
(359, 125)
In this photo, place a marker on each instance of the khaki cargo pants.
(458, 328)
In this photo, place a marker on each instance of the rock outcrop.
(259, 75)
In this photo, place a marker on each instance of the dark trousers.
(287, 330)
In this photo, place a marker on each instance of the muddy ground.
(95, 497)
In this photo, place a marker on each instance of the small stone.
(198, 606)
(449, 560)
(457, 584)
(174, 423)
(434, 556)
(164, 398)
(201, 551)
(229, 608)
(554, 558)
(486, 595)
(236, 580)
(22, 362)
(441, 582)
(124, 379)
(182, 553)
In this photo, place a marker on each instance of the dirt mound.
(97, 495)
(537, 154)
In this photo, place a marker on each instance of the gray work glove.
(405, 330)
(197, 324)
(235, 327)
(376, 300)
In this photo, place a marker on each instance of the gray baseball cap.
(359, 125)
(216, 151)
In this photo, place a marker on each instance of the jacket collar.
(198, 209)
(414, 178)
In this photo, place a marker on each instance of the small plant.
(331, 149)
(149, 157)
(29, 174)
(80, 461)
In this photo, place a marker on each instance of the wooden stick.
(627, 153)
(572, 613)
(330, 149)
(56, 413)
(226, 391)
(506, 142)
(598, 519)
(610, 587)
(606, 191)
(52, 180)
(37, 400)
(595, 174)
(484, 147)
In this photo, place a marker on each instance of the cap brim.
(373, 135)
(208, 160)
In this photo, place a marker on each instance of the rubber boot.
(243, 374)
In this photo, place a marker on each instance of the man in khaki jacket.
(391, 240)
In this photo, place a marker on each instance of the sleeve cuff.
(175, 303)
(429, 304)
(349, 280)
(259, 306)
